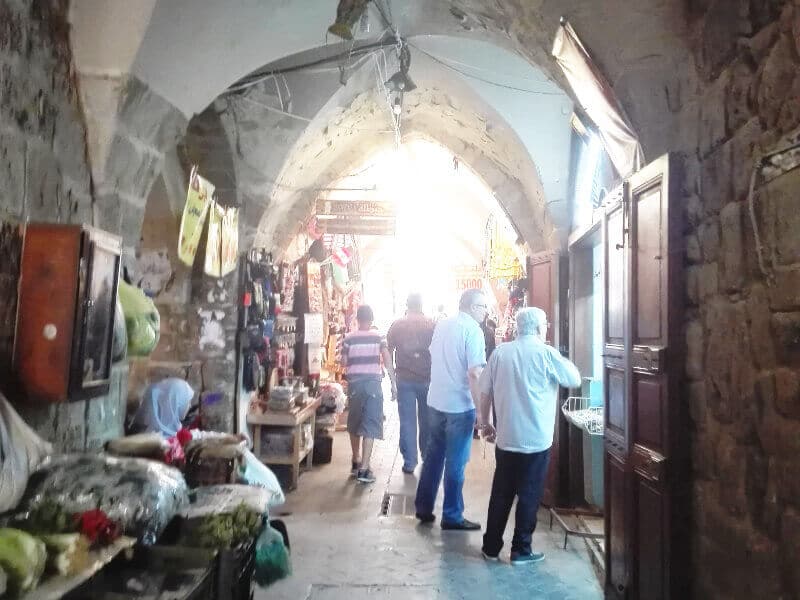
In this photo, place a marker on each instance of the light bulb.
(397, 108)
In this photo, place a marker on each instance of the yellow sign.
(198, 199)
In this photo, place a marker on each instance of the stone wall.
(44, 176)
(743, 327)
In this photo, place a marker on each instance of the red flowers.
(184, 436)
(96, 526)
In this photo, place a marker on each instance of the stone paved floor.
(343, 549)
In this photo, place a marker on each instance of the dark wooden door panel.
(615, 402)
(648, 260)
(615, 273)
(650, 542)
(616, 513)
(650, 406)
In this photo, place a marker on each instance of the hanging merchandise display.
(198, 200)
(314, 283)
(213, 264)
(230, 239)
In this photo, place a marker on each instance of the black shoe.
(408, 470)
(465, 525)
(523, 558)
(355, 468)
(491, 557)
(366, 476)
(426, 518)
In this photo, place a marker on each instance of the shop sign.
(356, 208)
(469, 278)
(359, 226)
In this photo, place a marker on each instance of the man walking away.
(457, 359)
(409, 341)
(521, 380)
(362, 352)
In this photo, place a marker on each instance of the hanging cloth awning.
(598, 100)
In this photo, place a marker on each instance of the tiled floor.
(343, 548)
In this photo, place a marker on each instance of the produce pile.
(223, 531)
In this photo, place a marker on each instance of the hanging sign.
(359, 226)
(213, 265)
(312, 332)
(468, 278)
(198, 199)
(355, 208)
(230, 240)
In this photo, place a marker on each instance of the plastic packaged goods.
(259, 475)
(21, 452)
(142, 320)
(141, 495)
(23, 559)
(221, 499)
(272, 557)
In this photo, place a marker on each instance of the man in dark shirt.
(409, 339)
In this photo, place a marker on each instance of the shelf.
(290, 418)
(57, 587)
(285, 459)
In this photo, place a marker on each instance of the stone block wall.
(743, 327)
(44, 176)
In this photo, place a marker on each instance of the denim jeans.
(449, 443)
(412, 406)
(516, 475)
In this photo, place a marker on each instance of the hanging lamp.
(400, 81)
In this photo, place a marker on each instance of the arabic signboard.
(355, 208)
(357, 226)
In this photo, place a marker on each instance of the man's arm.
(566, 373)
(474, 376)
(387, 362)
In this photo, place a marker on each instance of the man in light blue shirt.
(521, 381)
(458, 356)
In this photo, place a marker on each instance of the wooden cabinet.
(65, 314)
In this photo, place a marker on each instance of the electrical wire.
(484, 80)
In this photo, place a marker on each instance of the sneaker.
(426, 518)
(408, 470)
(354, 468)
(491, 557)
(465, 525)
(519, 558)
(366, 476)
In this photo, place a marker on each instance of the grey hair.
(414, 302)
(530, 320)
(468, 299)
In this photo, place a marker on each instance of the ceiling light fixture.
(348, 12)
(400, 81)
(397, 107)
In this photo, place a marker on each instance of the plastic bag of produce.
(142, 320)
(221, 499)
(21, 452)
(258, 474)
(23, 559)
(141, 495)
(272, 558)
(3, 582)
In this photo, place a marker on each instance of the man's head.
(414, 303)
(364, 316)
(532, 321)
(474, 303)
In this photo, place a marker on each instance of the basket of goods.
(214, 461)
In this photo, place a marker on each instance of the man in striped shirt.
(365, 354)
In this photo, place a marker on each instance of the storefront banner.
(312, 332)
(198, 199)
(314, 359)
(230, 240)
(213, 266)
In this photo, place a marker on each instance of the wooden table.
(291, 420)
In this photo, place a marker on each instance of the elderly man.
(521, 381)
(458, 356)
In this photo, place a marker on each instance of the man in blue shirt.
(521, 382)
(458, 356)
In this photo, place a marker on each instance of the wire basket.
(579, 412)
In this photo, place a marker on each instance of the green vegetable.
(67, 553)
(141, 320)
(23, 559)
(226, 530)
(49, 517)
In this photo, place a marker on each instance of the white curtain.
(598, 101)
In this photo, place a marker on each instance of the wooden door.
(546, 288)
(645, 455)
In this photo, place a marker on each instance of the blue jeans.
(412, 406)
(449, 444)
